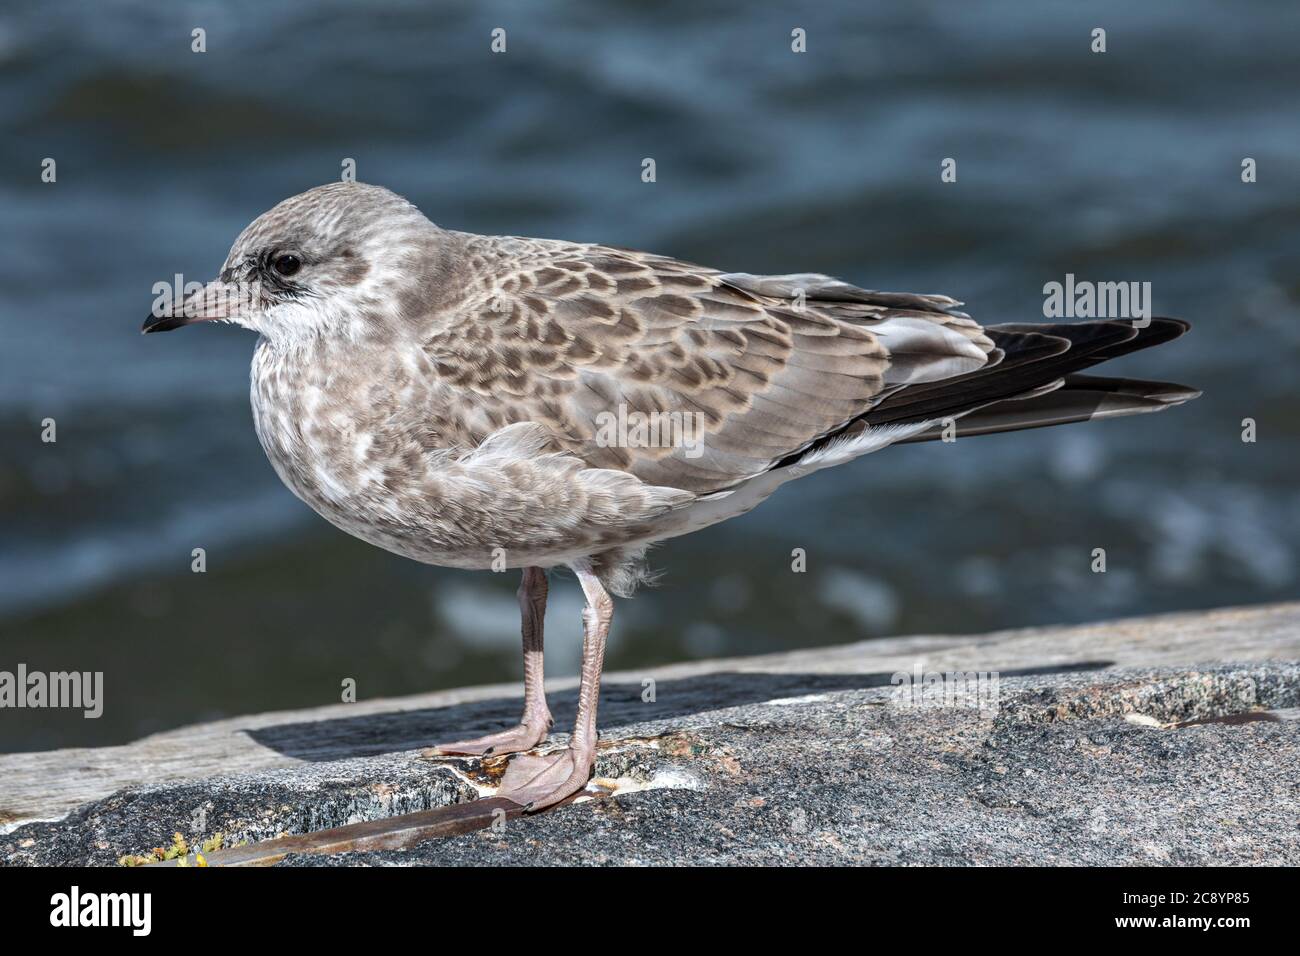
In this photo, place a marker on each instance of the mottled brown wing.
(682, 375)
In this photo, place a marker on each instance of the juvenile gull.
(487, 401)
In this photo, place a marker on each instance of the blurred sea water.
(1122, 166)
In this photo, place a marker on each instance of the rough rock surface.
(810, 757)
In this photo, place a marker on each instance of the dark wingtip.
(1187, 395)
(1166, 393)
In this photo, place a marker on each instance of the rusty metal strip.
(392, 833)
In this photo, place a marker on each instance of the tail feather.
(1026, 367)
(1080, 398)
(1032, 380)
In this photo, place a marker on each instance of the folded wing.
(737, 372)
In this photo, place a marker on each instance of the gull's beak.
(216, 301)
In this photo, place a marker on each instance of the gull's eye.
(287, 264)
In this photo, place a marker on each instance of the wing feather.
(755, 368)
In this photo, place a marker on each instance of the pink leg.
(538, 782)
(536, 722)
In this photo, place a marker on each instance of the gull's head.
(335, 261)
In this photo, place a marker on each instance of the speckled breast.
(337, 430)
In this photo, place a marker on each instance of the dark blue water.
(1122, 166)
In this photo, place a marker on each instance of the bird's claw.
(536, 782)
(515, 740)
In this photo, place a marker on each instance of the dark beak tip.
(160, 323)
